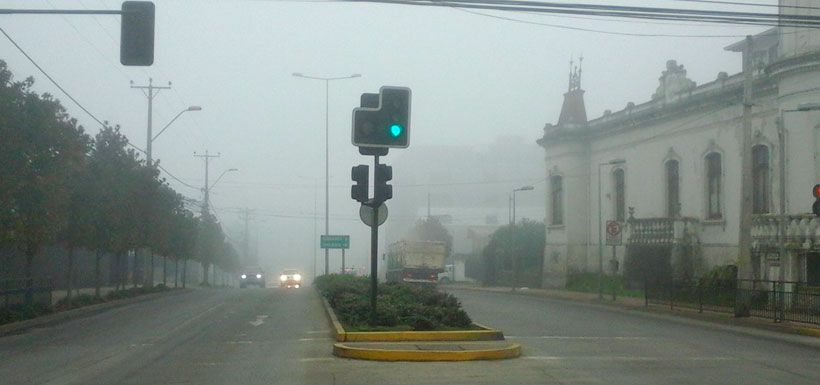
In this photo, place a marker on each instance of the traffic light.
(359, 190)
(387, 125)
(137, 33)
(815, 208)
(381, 190)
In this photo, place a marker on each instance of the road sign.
(335, 241)
(366, 214)
(614, 235)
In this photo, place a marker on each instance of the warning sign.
(614, 235)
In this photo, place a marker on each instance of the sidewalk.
(638, 304)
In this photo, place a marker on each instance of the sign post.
(614, 237)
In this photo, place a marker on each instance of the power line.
(747, 4)
(30, 59)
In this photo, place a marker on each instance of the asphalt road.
(275, 336)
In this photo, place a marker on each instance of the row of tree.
(60, 186)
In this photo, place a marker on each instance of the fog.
(483, 88)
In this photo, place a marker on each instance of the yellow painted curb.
(812, 332)
(342, 350)
(341, 335)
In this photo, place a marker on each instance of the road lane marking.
(240, 342)
(317, 359)
(576, 338)
(260, 319)
(317, 331)
(314, 339)
(628, 358)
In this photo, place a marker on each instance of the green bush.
(78, 301)
(20, 312)
(588, 283)
(400, 306)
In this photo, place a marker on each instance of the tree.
(41, 148)
(210, 240)
(431, 229)
(525, 242)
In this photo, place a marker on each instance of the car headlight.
(283, 278)
(259, 276)
(244, 276)
(297, 277)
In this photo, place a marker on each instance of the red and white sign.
(614, 235)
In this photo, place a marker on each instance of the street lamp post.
(327, 81)
(512, 236)
(600, 232)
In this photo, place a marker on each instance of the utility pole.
(152, 92)
(745, 269)
(206, 201)
(246, 217)
(428, 205)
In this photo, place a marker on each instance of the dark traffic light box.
(137, 33)
(388, 124)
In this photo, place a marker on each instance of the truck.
(415, 261)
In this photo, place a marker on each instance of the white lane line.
(317, 359)
(317, 331)
(240, 342)
(575, 338)
(314, 339)
(628, 358)
(260, 319)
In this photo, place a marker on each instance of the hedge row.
(400, 306)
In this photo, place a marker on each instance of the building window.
(620, 194)
(714, 171)
(557, 199)
(672, 189)
(760, 179)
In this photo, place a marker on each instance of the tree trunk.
(205, 267)
(97, 273)
(176, 272)
(114, 279)
(152, 267)
(69, 275)
(134, 274)
(27, 272)
(184, 271)
(164, 271)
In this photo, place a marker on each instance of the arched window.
(672, 189)
(620, 194)
(714, 188)
(557, 199)
(760, 179)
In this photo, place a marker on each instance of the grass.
(588, 283)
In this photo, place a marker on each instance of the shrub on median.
(400, 306)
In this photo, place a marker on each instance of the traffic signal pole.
(374, 251)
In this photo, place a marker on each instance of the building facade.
(670, 171)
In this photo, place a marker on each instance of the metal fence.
(777, 300)
(14, 291)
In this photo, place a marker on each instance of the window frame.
(670, 211)
(766, 190)
(619, 196)
(557, 220)
(708, 177)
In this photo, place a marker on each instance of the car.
(290, 278)
(252, 276)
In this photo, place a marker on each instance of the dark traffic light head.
(359, 191)
(387, 125)
(137, 33)
(815, 208)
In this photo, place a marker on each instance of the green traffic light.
(396, 130)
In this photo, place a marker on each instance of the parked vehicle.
(415, 261)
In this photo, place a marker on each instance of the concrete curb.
(341, 335)
(80, 312)
(345, 351)
(775, 332)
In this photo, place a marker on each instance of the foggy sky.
(474, 79)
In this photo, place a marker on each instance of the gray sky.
(474, 79)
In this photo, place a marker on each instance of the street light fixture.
(327, 81)
(512, 236)
(613, 162)
(221, 175)
(191, 108)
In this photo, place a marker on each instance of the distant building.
(670, 171)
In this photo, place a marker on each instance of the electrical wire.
(747, 4)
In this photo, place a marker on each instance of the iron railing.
(14, 291)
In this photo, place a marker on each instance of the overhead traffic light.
(359, 190)
(815, 208)
(381, 190)
(388, 124)
(137, 33)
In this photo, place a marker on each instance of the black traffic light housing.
(137, 33)
(381, 190)
(815, 208)
(359, 190)
(386, 125)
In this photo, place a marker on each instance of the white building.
(670, 171)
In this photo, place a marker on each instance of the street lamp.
(327, 81)
(207, 205)
(221, 175)
(613, 162)
(512, 236)
(151, 140)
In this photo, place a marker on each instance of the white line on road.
(317, 359)
(260, 319)
(575, 338)
(240, 342)
(314, 339)
(628, 358)
(317, 331)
